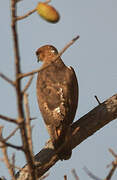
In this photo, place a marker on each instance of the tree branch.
(28, 125)
(26, 15)
(88, 125)
(7, 79)
(109, 176)
(11, 134)
(8, 119)
(19, 95)
(75, 174)
(114, 165)
(97, 99)
(27, 85)
(10, 145)
(29, 13)
(91, 175)
(5, 155)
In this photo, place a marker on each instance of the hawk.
(57, 95)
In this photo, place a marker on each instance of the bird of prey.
(57, 94)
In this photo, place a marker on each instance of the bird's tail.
(61, 142)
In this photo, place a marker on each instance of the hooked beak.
(37, 54)
(38, 59)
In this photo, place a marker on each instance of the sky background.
(94, 58)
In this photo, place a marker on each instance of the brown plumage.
(57, 94)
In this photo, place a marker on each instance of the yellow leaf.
(48, 12)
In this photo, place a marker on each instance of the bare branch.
(97, 100)
(7, 79)
(6, 159)
(30, 12)
(11, 134)
(17, 62)
(88, 125)
(33, 118)
(8, 119)
(10, 145)
(26, 15)
(75, 174)
(19, 95)
(59, 54)
(28, 84)
(28, 126)
(112, 152)
(67, 46)
(90, 174)
(13, 163)
(114, 165)
(109, 176)
(22, 75)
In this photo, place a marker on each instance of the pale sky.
(94, 58)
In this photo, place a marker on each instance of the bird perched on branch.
(57, 94)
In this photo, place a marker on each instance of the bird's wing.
(53, 103)
(57, 93)
(74, 91)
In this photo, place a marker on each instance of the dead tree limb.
(87, 125)
(19, 95)
(7, 79)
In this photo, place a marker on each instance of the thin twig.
(28, 126)
(13, 163)
(114, 165)
(75, 174)
(30, 12)
(28, 84)
(97, 99)
(15, 167)
(11, 134)
(26, 15)
(22, 75)
(112, 152)
(33, 118)
(6, 118)
(7, 79)
(110, 174)
(6, 159)
(10, 145)
(90, 174)
(59, 54)
(67, 46)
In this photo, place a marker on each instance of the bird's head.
(46, 53)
